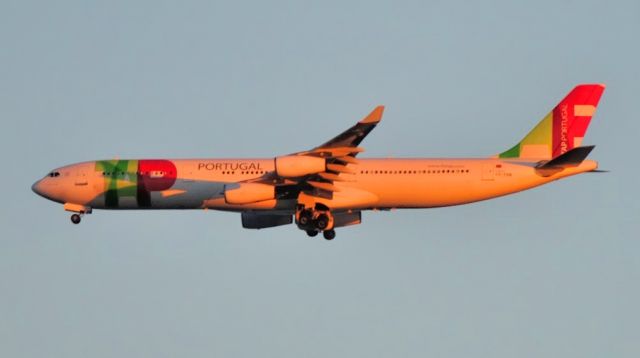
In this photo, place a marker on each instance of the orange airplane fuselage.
(374, 184)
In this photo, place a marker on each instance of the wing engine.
(295, 166)
(251, 220)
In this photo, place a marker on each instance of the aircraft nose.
(37, 188)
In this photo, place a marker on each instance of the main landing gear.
(316, 220)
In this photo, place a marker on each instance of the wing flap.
(341, 168)
(334, 177)
(348, 160)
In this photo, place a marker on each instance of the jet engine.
(247, 193)
(293, 166)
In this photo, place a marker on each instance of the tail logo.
(562, 129)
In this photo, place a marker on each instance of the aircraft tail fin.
(562, 129)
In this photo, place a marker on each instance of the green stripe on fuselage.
(120, 180)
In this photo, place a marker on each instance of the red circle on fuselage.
(157, 174)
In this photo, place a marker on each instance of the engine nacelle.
(262, 221)
(247, 193)
(294, 166)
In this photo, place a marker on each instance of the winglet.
(374, 117)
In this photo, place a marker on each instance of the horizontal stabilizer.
(572, 158)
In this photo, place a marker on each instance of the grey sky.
(552, 272)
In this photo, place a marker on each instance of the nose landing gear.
(78, 211)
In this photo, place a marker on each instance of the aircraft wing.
(346, 143)
(340, 154)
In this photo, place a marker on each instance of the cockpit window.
(54, 174)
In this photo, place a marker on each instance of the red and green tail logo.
(563, 128)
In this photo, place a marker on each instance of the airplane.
(329, 186)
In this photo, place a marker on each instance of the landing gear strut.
(75, 218)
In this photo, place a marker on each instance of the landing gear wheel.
(329, 234)
(322, 222)
(312, 233)
(75, 218)
(305, 218)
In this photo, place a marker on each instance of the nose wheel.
(78, 211)
(76, 218)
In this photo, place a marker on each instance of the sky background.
(551, 272)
